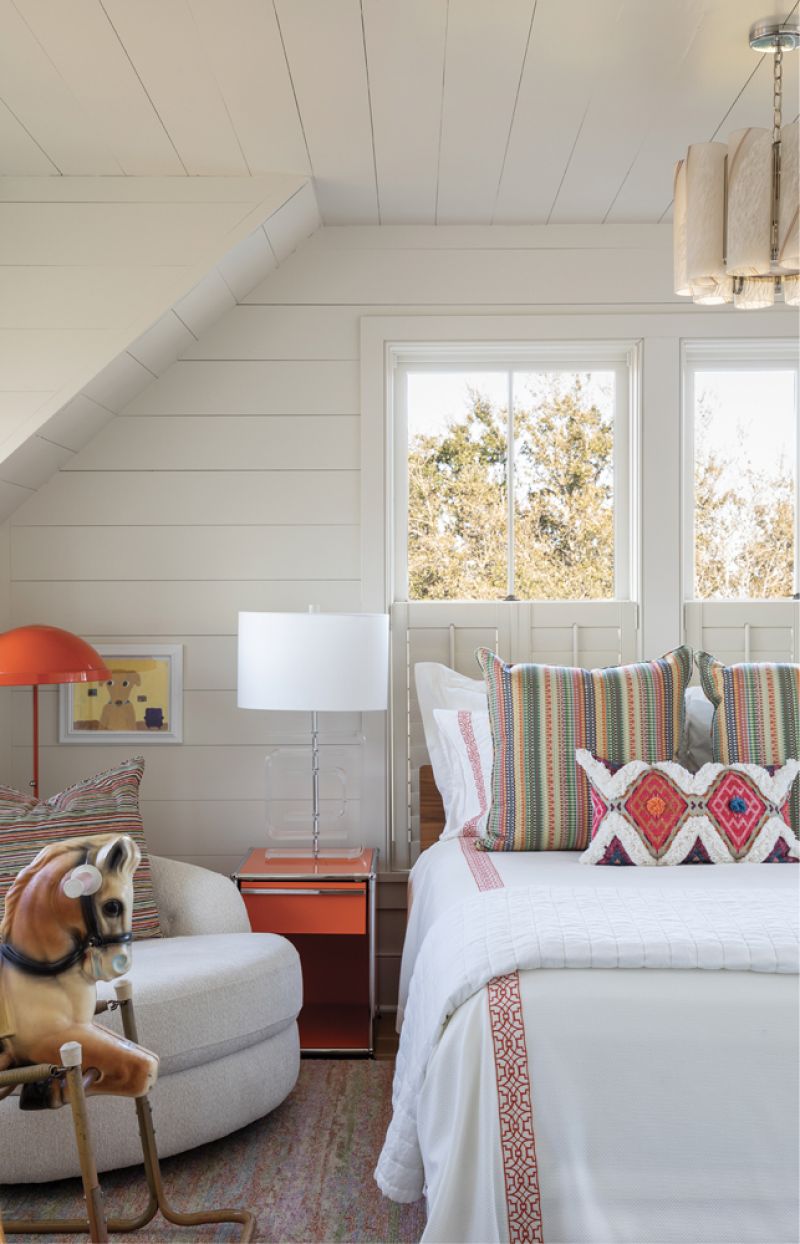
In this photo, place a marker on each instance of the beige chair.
(216, 1002)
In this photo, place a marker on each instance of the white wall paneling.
(106, 281)
(234, 481)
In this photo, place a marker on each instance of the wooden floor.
(386, 1039)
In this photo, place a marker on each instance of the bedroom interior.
(400, 530)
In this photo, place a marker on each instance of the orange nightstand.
(326, 908)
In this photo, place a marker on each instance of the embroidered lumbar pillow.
(105, 804)
(661, 814)
(540, 715)
(756, 714)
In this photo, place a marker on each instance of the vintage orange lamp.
(41, 655)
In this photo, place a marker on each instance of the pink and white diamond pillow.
(660, 814)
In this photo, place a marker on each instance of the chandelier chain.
(777, 91)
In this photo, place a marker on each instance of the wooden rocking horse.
(67, 925)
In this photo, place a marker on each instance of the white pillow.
(698, 749)
(440, 687)
(467, 740)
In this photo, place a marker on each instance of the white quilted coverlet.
(501, 931)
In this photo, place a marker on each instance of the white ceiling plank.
(33, 463)
(32, 88)
(16, 406)
(37, 358)
(162, 40)
(159, 347)
(249, 262)
(633, 85)
(405, 59)
(707, 82)
(18, 151)
(483, 61)
(244, 48)
(118, 383)
(204, 304)
(76, 423)
(81, 43)
(270, 189)
(554, 93)
(293, 223)
(90, 234)
(113, 297)
(325, 49)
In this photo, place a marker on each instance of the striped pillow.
(105, 804)
(542, 714)
(759, 721)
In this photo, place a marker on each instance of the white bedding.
(664, 1100)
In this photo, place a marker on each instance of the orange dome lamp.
(37, 655)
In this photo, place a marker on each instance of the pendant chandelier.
(735, 211)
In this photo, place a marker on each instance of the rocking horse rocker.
(67, 925)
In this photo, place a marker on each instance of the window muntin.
(744, 480)
(548, 521)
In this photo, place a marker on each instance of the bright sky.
(755, 406)
(758, 405)
(435, 398)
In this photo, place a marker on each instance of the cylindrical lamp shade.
(680, 270)
(715, 293)
(749, 202)
(791, 290)
(313, 662)
(705, 213)
(754, 295)
(789, 210)
(40, 655)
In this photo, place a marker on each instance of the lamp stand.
(35, 782)
(315, 782)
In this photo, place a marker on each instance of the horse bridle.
(92, 940)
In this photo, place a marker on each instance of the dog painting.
(140, 702)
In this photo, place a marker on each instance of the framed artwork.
(142, 702)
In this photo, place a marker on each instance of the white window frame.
(573, 356)
(755, 355)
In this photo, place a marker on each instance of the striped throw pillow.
(542, 714)
(756, 715)
(105, 804)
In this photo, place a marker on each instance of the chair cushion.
(201, 998)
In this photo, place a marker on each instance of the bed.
(650, 1105)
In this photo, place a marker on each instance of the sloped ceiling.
(104, 282)
(403, 111)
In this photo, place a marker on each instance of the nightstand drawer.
(306, 907)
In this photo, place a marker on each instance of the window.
(742, 471)
(514, 477)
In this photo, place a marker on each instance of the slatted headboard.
(431, 809)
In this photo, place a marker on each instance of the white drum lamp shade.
(314, 662)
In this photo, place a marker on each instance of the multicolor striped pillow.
(105, 804)
(756, 715)
(541, 714)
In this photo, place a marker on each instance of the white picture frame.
(154, 673)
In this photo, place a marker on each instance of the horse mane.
(25, 875)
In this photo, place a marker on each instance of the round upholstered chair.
(216, 1002)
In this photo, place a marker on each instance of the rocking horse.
(67, 925)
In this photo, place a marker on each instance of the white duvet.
(662, 1093)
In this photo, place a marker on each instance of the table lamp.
(316, 663)
(36, 655)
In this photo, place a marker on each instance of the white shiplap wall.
(232, 482)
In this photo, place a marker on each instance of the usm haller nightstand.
(326, 908)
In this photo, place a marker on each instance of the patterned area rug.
(305, 1170)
